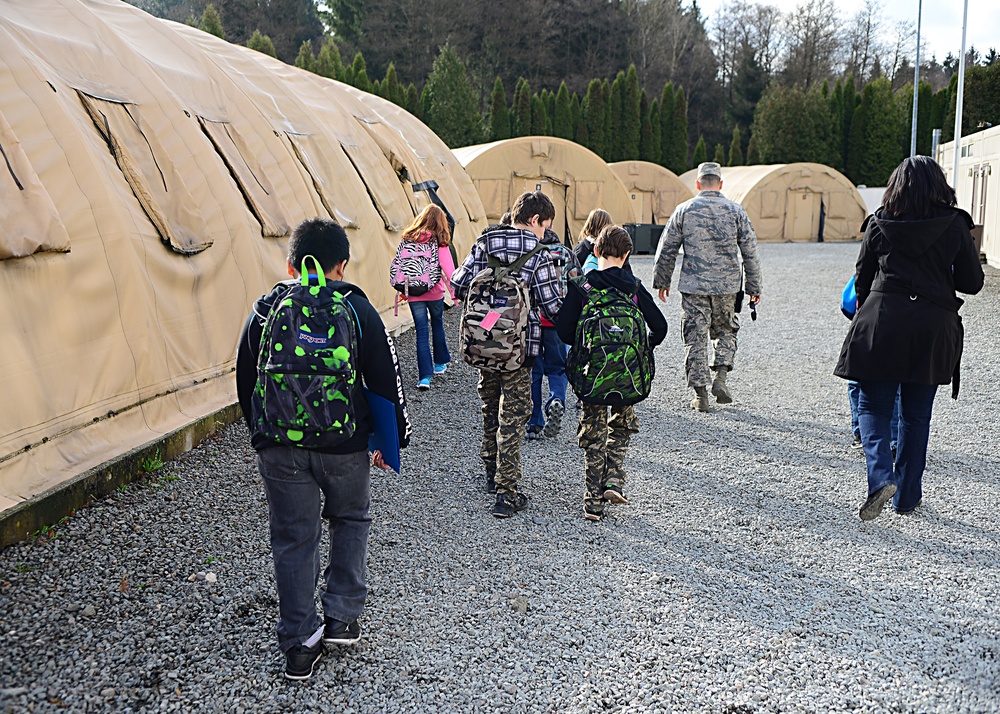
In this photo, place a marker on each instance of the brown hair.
(432, 220)
(613, 242)
(596, 221)
(917, 186)
(533, 203)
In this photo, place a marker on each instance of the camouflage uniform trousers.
(704, 317)
(506, 398)
(604, 442)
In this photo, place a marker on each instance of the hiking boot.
(613, 494)
(509, 503)
(719, 388)
(553, 418)
(534, 432)
(336, 632)
(300, 661)
(592, 514)
(700, 401)
(424, 383)
(440, 368)
(873, 506)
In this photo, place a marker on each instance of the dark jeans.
(551, 363)
(875, 414)
(295, 480)
(421, 311)
(853, 394)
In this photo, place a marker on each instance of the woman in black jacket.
(907, 334)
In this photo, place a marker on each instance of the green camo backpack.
(307, 367)
(610, 361)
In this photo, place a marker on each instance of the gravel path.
(738, 580)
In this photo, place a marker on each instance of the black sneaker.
(300, 661)
(873, 506)
(533, 432)
(508, 504)
(613, 494)
(553, 418)
(491, 482)
(336, 632)
(856, 443)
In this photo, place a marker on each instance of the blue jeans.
(875, 414)
(295, 480)
(551, 363)
(853, 394)
(421, 310)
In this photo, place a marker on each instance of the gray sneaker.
(553, 418)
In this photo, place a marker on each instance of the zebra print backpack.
(416, 268)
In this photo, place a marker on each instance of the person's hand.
(755, 299)
(378, 462)
(664, 293)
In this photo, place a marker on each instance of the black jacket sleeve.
(246, 365)
(967, 270)
(569, 314)
(867, 265)
(655, 320)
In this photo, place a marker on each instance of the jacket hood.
(262, 306)
(612, 278)
(915, 236)
(508, 244)
(550, 237)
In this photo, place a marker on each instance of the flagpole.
(916, 84)
(959, 98)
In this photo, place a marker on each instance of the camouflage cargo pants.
(506, 398)
(704, 317)
(604, 442)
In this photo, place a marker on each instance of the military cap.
(709, 168)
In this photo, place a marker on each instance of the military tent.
(151, 176)
(654, 190)
(794, 202)
(575, 178)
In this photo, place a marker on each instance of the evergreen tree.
(925, 129)
(261, 43)
(882, 150)
(666, 125)
(615, 140)
(347, 19)
(837, 124)
(499, 116)
(720, 155)
(850, 103)
(753, 153)
(792, 125)
(549, 99)
(632, 116)
(359, 73)
(539, 117)
(646, 135)
(522, 108)
(736, 148)
(413, 105)
(562, 120)
(679, 143)
(211, 22)
(655, 145)
(609, 140)
(329, 63)
(594, 112)
(306, 59)
(576, 116)
(700, 155)
(452, 106)
(856, 145)
(391, 89)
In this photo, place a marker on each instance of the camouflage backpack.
(307, 366)
(610, 361)
(493, 334)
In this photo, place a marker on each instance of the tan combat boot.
(719, 388)
(700, 401)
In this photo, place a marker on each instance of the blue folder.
(385, 437)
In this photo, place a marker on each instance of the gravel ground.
(738, 580)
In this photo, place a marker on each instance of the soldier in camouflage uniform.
(715, 233)
(506, 395)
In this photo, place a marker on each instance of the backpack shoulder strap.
(516, 266)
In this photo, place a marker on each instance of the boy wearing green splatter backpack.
(604, 319)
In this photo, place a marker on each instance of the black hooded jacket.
(378, 363)
(907, 327)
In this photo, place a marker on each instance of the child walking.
(428, 308)
(609, 304)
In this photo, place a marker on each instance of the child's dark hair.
(321, 238)
(613, 242)
(532, 203)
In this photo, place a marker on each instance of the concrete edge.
(22, 521)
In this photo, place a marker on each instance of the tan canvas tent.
(152, 175)
(575, 178)
(654, 190)
(794, 202)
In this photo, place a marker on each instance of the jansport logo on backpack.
(610, 361)
(416, 268)
(307, 367)
(493, 334)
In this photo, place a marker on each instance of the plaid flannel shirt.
(539, 273)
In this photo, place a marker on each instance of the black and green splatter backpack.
(610, 361)
(307, 368)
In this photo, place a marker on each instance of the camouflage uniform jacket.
(715, 232)
(539, 273)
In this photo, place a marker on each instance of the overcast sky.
(941, 25)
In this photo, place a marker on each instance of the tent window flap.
(324, 165)
(29, 222)
(256, 187)
(150, 174)
(383, 187)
